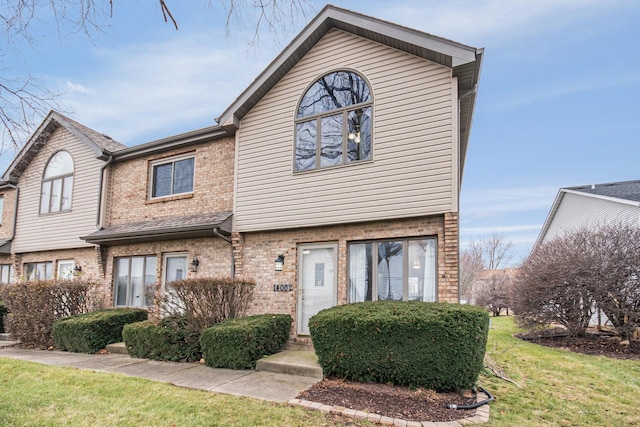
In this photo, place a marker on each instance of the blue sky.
(557, 103)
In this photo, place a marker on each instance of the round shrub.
(439, 346)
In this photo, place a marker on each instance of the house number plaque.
(284, 287)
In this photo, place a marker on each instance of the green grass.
(557, 387)
(37, 395)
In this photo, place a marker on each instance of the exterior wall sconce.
(279, 263)
(77, 270)
(194, 264)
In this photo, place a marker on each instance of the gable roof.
(102, 145)
(625, 192)
(465, 61)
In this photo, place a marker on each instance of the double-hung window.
(57, 184)
(38, 270)
(333, 122)
(172, 176)
(401, 269)
(135, 281)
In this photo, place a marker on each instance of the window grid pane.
(183, 176)
(331, 141)
(162, 180)
(306, 134)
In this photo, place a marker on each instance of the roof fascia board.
(550, 216)
(599, 196)
(98, 150)
(329, 17)
(177, 141)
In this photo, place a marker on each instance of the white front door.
(317, 280)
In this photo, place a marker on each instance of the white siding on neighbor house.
(35, 232)
(414, 155)
(575, 211)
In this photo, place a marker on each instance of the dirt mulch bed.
(390, 401)
(591, 343)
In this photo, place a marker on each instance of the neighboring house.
(334, 178)
(595, 204)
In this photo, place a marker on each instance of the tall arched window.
(333, 122)
(57, 184)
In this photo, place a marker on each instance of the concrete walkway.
(271, 386)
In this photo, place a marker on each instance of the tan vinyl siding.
(35, 232)
(413, 164)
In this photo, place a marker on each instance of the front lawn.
(557, 387)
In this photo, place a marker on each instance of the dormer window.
(333, 122)
(57, 184)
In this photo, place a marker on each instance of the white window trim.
(164, 161)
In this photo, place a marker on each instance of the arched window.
(333, 122)
(57, 184)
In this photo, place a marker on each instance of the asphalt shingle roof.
(625, 190)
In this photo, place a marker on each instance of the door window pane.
(150, 279)
(176, 268)
(65, 269)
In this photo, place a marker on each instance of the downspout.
(216, 232)
(102, 169)
(15, 209)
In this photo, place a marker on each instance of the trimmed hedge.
(438, 346)
(166, 339)
(91, 332)
(239, 343)
(3, 310)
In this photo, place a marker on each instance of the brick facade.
(255, 253)
(212, 188)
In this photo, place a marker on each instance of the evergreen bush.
(438, 346)
(239, 343)
(91, 332)
(167, 339)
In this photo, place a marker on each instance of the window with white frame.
(38, 270)
(333, 122)
(6, 273)
(1, 207)
(135, 280)
(399, 269)
(65, 269)
(57, 184)
(175, 268)
(172, 176)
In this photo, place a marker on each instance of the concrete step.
(303, 363)
(117, 347)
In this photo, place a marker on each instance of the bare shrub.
(553, 286)
(204, 302)
(495, 292)
(35, 306)
(566, 279)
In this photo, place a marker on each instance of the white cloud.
(151, 89)
(490, 21)
(488, 202)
